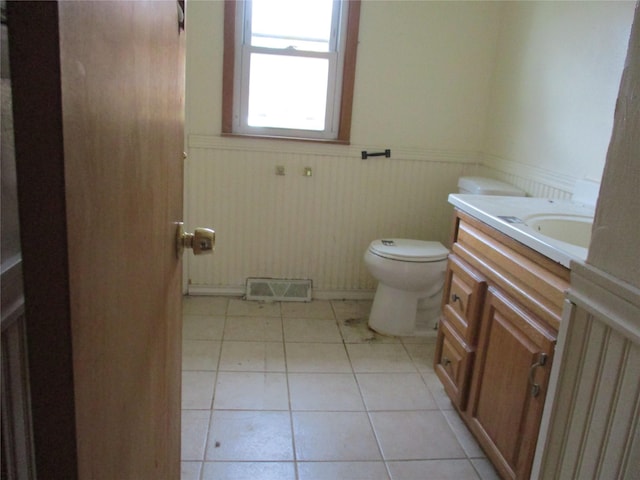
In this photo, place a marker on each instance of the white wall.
(423, 73)
(615, 240)
(556, 80)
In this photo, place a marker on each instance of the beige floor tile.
(190, 470)
(485, 469)
(195, 425)
(422, 355)
(462, 433)
(380, 358)
(334, 436)
(325, 391)
(200, 354)
(395, 391)
(266, 365)
(245, 308)
(311, 330)
(313, 309)
(252, 357)
(416, 435)
(342, 471)
(437, 390)
(432, 470)
(204, 305)
(249, 471)
(429, 338)
(202, 327)
(356, 330)
(257, 329)
(197, 390)
(250, 436)
(351, 309)
(251, 391)
(317, 358)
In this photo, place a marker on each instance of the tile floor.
(304, 391)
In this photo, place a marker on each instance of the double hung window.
(292, 68)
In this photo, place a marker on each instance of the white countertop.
(490, 209)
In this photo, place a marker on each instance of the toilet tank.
(488, 186)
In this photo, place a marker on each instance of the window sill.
(289, 139)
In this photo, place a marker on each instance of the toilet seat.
(406, 250)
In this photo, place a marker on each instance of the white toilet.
(410, 273)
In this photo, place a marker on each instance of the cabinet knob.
(455, 298)
(446, 362)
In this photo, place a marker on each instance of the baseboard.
(231, 291)
(240, 290)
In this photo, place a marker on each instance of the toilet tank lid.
(408, 250)
(488, 186)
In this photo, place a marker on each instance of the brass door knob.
(201, 241)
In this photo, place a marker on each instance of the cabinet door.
(508, 386)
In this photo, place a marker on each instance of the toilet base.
(403, 313)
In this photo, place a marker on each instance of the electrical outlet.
(308, 172)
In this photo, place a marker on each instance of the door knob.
(201, 241)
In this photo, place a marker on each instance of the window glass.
(288, 92)
(293, 24)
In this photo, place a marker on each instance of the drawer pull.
(535, 388)
(455, 298)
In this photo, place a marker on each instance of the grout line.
(286, 373)
(213, 396)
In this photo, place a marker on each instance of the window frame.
(229, 95)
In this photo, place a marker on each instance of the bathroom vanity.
(501, 311)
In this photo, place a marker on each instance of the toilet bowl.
(410, 273)
(410, 276)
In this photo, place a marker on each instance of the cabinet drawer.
(462, 298)
(452, 364)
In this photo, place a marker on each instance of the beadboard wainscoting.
(310, 227)
(536, 181)
(317, 227)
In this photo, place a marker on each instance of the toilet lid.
(408, 250)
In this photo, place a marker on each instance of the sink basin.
(572, 229)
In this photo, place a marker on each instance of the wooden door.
(98, 101)
(503, 411)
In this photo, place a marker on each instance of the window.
(289, 67)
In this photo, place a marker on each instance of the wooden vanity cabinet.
(501, 310)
